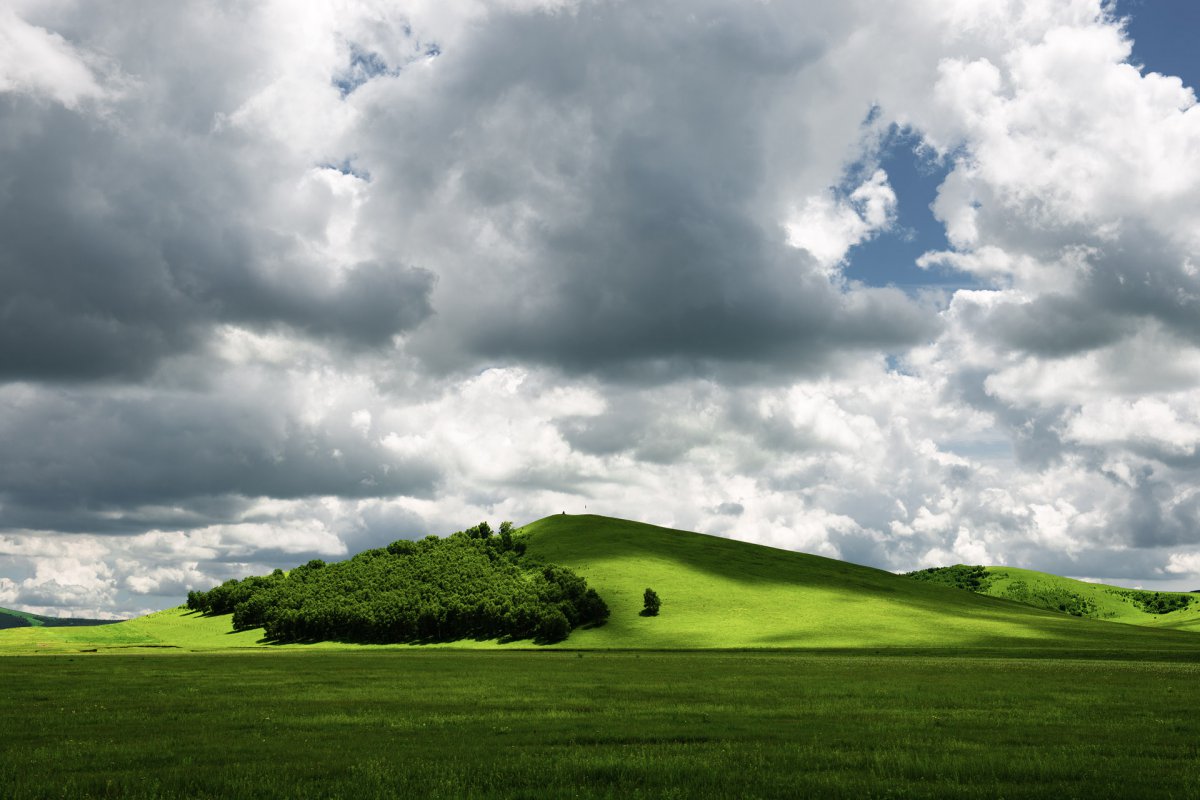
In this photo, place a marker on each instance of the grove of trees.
(471, 584)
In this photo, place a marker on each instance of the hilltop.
(716, 593)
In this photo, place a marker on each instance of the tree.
(592, 609)
(552, 626)
(651, 602)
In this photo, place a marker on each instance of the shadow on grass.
(422, 641)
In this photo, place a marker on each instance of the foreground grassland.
(428, 723)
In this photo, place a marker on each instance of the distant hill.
(1178, 610)
(23, 619)
(715, 593)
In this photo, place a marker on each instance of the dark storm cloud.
(654, 289)
(1148, 276)
(372, 302)
(625, 158)
(119, 248)
(108, 462)
(1134, 279)
(109, 518)
(628, 155)
(1055, 325)
(636, 425)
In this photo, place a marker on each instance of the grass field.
(429, 723)
(716, 593)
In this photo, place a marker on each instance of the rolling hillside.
(1081, 598)
(716, 593)
(10, 618)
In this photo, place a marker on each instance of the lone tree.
(651, 603)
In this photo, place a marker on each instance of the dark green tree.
(650, 603)
(592, 609)
(552, 626)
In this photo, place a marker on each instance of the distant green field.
(430, 723)
(716, 593)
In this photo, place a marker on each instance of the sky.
(907, 284)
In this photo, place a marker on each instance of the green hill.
(1168, 610)
(718, 592)
(10, 618)
(715, 592)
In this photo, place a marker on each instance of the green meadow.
(441, 723)
(766, 674)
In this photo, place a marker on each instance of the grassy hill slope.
(716, 593)
(173, 628)
(10, 618)
(1094, 600)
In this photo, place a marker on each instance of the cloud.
(43, 65)
(132, 235)
(83, 459)
(828, 227)
(1184, 564)
(615, 195)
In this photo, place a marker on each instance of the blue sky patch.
(347, 167)
(367, 64)
(364, 65)
(889, 258)
(1164, 36)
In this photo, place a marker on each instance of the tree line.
(972, 577)
(473, 584)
